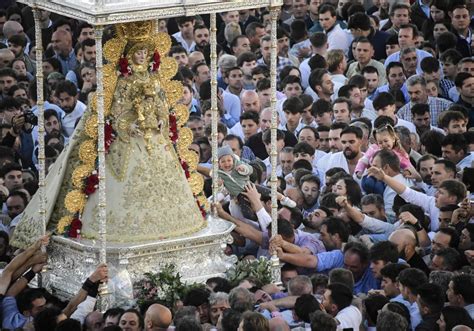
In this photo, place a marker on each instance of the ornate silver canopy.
(120, 11)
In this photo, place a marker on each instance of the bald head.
(11, 28)
(250, 101)
(461, 328)
(158, 317)
(6, 57)
(195, 57)
(403, 238)
(278, 324)
(62, 42)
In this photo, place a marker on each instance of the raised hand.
(100, 274)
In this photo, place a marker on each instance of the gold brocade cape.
(148, 195)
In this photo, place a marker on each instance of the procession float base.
(196, 258)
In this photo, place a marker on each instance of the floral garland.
(165, 286)
(91, 184)
(174, 138)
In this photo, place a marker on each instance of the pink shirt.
(365, 161)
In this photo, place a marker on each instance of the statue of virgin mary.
(150, 196)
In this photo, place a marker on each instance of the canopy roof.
(120, 11)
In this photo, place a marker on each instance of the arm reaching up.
(356, 215)
(90, 287)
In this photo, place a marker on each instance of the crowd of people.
(375, 164)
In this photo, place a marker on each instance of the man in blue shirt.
(64, 52)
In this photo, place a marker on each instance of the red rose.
(92, 183)
(156, 61)
(173, 128)
(109, 136)
(124, 68)
(74, 227)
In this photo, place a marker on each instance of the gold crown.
(136, 31)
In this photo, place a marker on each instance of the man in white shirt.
(337, 301)
(337, 65)
(337, 38)
(185, 36)
(66, 92)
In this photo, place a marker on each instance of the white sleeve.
(264, 219)
(84, 308)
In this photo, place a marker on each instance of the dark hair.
(454, 315)
(267, 136)
(358, 248)
(221, 284)
(303, 147)
(113, 312)
(385, 251)
(336, 225)
(456, 188)
(24, 299)
(9, 167)
(196, 297)
(317, 61)
(327, 8)
(293, 105)
(316, 78)
(177, 50)
(263, 84)
(460, 78)
(450, 115)
(66, 87)
(451, 258)
(188, 323)
(46, 320)
(302, 164)
(429, 65)
(412, 278)
(341, 295)
(4, 72)
(463, 284)
(69, 324)
(310, 178)
(305, 305)
(373, 304)
(250, 115)
(353, 191)
(451, 55)
(345, 90)
(353, 130)
(318, 39)
(359, 21)
(323, 128)
(457, 142)
(19, 40)
(8, 103)
(320, 107)
(383, 100)
(245, 57)
(445, 41)
(260, 69)
(432, 141)
(391, 65)
(392, 270)
(230, 319)
(432, 296)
